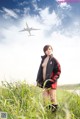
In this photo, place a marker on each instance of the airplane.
(29, 29)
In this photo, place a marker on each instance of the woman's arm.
(56, 71)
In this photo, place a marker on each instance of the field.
(70, 87)
(22, 101)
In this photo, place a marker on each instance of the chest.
(45, 62)
(48, 63)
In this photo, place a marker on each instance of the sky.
(59, 24)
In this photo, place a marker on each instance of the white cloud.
(26, 11)
(34, 3)
(9, 13)
(23, 3)
(76, 23)
(17, 10)
(60, 0)
(64, 5)
(49, 19)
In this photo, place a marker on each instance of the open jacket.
(53, 71)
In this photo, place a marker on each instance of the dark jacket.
(53, 70)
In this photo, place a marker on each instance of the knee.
(52, 100)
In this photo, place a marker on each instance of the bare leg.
(54, 105)
(52, 93)
(46, 96)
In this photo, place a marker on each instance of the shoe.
(54, 107)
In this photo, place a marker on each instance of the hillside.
(22, 101)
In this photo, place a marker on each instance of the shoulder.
(55, 60)
(43, 57)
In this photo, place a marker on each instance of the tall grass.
(22, 101)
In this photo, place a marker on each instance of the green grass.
(22, 101)
(70, 86)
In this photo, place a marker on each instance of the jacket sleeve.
(39, 79)
(39, 74)
(56, 71)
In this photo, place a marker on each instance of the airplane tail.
(27, 25)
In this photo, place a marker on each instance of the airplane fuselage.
(28, 29)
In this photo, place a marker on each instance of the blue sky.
(59, 24)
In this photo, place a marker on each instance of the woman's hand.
(48, 83)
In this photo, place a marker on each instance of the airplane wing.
(34, 29)
(22, 30)
(26, 30)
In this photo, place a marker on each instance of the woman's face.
(48, 51)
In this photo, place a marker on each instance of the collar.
(44, 56)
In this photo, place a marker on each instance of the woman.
(49, 72)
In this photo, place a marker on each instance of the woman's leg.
(46, 96)
(53, 98)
